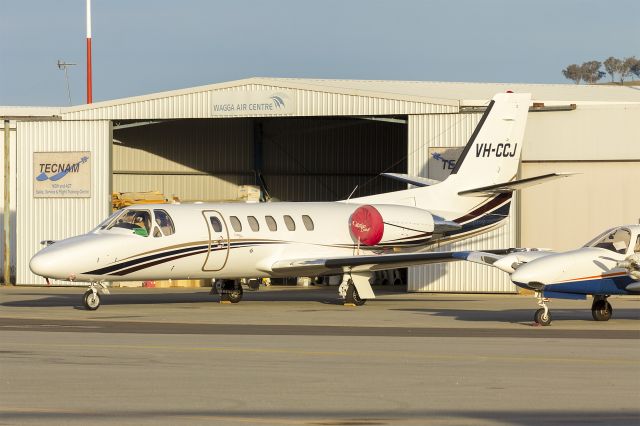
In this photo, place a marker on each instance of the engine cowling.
(391, 225)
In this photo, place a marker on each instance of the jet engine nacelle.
(387, 224)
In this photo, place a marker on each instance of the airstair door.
(218, 241)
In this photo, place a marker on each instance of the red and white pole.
(89, 82)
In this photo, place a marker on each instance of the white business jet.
(607, 265)
(352, 237)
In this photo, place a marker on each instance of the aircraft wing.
(338, 265)
(504, 259)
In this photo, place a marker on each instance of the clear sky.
(145, 46)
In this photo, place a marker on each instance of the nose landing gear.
(542, 315)
(91, 297)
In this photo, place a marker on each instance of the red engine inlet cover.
(367, 225)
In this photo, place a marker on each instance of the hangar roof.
(312, 97)
(477, 93)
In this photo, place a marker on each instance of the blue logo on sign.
(58, 170)
(278, 101)
(446, 164)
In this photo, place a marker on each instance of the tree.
(573, 72)
(590, 71)
(612, 65)
(635, 69)
(626, 66)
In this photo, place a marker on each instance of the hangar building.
(316, 140)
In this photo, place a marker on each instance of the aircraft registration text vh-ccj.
(355, 237)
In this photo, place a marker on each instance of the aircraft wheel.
(233, 292)
(91, 300)
(353, 296)
(541, 318)
(601, 310)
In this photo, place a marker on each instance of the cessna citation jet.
(352, 237)
(607, 265)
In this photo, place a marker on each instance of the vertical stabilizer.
(490, 157)
(493, 152)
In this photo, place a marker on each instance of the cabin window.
(271, 223)
(636, 249)
(164, 222)
(139, 221)
(617, 241)
(235, 223)
(253, 223)
(215, 224)
(290, 224)
(308, 222)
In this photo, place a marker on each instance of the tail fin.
(490, 157)
(493, 152)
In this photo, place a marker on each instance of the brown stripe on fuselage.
(494, 202)
(177, 246)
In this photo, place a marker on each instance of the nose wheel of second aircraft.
(542, 315)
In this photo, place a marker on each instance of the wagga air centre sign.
(254, 103)
(62, 174)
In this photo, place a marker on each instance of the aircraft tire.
(235, 294)
(541, 318)
(91, 300)
(601, 310)
(353, 296)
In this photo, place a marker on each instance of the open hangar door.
(293, 159)
(299, 159)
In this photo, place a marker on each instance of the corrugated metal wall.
(195, 160)
(57, 218)
(12, 202)
(564, 214)
(453, 130)
(199, 104)
(303, 159)
(323, 159)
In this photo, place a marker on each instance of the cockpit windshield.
(139, 221)
(616, 240)
(107, 221)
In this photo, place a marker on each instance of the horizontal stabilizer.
(413, 180)
(513, 185)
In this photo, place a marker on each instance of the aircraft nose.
(41, 264)
(526, 276)
(47, 263)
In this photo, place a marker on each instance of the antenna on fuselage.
(354, 190)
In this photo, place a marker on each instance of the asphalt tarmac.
(292, 356)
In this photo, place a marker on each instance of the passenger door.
(218, 241)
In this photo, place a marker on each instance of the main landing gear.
(91, 297)
(349, 293)
(601, 310)
(230, 291)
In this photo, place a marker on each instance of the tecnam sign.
(261, 102)
(62, 174)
